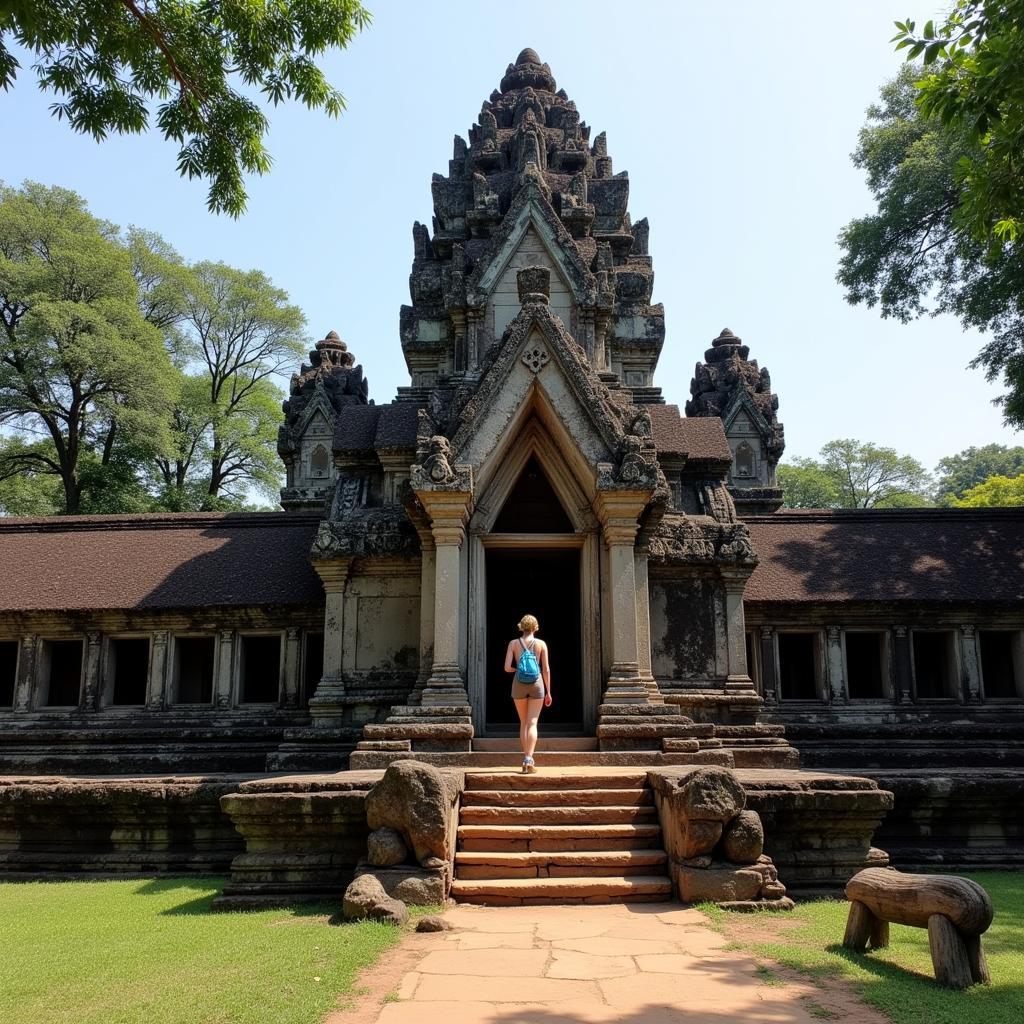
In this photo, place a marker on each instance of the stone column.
(738, 677)
(834, 666)
(618, 512)
(769, 683)
(446, 686)
(223, 680)
(971, 691)
(643, 626)
(326, 705)
(292, 663)
(156, 697)
(901, 659)
(428, 571)
(91, 681)
(23, 690)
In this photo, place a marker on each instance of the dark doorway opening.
(544, 583)
(532, 506)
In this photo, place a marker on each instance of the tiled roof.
(362, 429)
(161, 561)
(919, 555)
(699, 437)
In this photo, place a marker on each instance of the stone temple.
(532, 464)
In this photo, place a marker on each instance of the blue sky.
(734, 120)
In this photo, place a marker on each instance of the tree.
(852, 474)
(912, 256)
(237, 332)
(806, 484)
(195, 60)
(975, 60)
(995, 491)
(959, 473)
(26, 492)
(81, 369)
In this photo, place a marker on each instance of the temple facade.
(530, 465)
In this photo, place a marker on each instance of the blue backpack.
(527, 669)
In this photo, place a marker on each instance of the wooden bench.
(956, 911)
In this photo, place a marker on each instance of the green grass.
(898, 980)
(151, 952)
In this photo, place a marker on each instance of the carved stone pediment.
(383, 531)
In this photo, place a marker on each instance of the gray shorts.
(528, 691)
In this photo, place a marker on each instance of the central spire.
(530, 186)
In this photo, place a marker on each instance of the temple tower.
(305, 440)
(732, 387)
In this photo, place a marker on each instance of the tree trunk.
(976, 959)
(859, 926)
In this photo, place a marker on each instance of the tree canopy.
(941, 152)
(136, 380)
(854, 474)
(195, 68)
(975, 83)
(995, 491)
(958, 473)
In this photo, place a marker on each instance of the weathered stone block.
(743, 838)
(717, 883)
(366, 898)
(385, 847)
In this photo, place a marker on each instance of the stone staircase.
(573, 836)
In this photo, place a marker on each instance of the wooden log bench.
(956, 911)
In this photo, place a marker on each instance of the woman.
(531, 687)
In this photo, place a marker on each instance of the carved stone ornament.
(436, 466)
(384, 531)
(736, 547)
(536, 358)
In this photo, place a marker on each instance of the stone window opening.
(193, 670)
(127, 671)
(1002, 654)
(746, 461)
(799, 666)
(934, 662)
(319, 463)
(60, 675)
(259, 668)
(866, 664)
(8, 672)
(312, 666)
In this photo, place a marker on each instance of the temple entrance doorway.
(544, 582)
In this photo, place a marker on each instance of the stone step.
(545, 838)
(761, 729)
(545, 743)
(720, 757)
(557, 797)
(430, 711)
(611, 889)
(634, 779)
(418, 730)
(419, 720)
(642, 728)
(363, 760)
(384, 745)
(566, 815)
(644, 710)
(739, 742)
(559, 865)
(766, 757)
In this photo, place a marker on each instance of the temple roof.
(166, 562)
(85, 563)
(956, 556)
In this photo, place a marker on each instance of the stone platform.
(287, 837)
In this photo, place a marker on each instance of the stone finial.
(528, 73)
(534, 284)
(528, 56)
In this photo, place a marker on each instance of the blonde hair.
(528, 624)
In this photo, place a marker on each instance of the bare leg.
(528, 725)
(522, 710)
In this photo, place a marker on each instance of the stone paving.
(631, 964)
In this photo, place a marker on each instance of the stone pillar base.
(445, 688)
(625, 686)
(326, 706)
